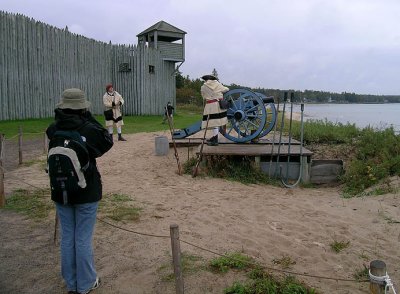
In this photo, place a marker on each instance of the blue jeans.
(77, 261)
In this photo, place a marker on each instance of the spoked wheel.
(246, 115)
(271, 114)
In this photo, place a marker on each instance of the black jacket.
(98, 142)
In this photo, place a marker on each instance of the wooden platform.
(273, 158)
(266, 146)
(186, 142)
(255, 150)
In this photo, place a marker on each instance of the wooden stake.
(171, 129)
(20, 144)
(378, 269)
(200, 157)
(176, 258)
(2, 196)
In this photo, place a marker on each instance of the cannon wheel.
(246, 115)
(271, 116)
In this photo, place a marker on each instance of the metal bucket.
(161, 145)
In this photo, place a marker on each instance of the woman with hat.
(78, 216)
(212, 91)
(113, 101)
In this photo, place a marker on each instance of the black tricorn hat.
(209, 77)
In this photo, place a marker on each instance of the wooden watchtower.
(166, 38)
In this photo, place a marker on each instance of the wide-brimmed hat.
(209, 77)
(73, 99)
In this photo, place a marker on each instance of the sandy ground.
(264, 222)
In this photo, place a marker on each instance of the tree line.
(188, 92)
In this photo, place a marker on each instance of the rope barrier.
(15, 136)
(383, 280)
(11, 137)
(19, 180)
(41, 133)
(131, 231)
(271, 268)
(222, 255)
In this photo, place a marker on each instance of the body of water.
(375, 115)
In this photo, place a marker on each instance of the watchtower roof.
(164, 28)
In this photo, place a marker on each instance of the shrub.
(377, 157)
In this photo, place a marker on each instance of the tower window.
(151, 69)
(124, 67)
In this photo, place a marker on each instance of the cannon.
(251, 115)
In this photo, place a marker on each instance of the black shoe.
(120, 138)
(213, 141)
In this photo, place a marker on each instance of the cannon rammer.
(250, 115)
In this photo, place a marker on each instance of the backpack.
(67, 161)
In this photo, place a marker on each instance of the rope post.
(176, 258)
(378, 269)
(2, 196)
(20, 144)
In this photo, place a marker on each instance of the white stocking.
(215, 131)
(110, 130)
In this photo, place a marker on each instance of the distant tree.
(188, 91)
(180, 80)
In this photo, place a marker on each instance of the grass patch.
(377, 158)
(35, 204)
(285, 261)
(262, 282)
(184, 116)
(338, 246)
(189, 165)
(42, 163)
(362, 274)
(233, 260)
(324, 131)
(31, 128)
(191, 264)
(119, 207)
(231, 168)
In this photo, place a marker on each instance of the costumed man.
(168, 112)
(212, 91)
(113, 101)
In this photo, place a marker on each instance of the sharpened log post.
(378, 269)
(2, 196)
(176, 258)
(20, 144)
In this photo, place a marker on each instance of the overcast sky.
(331, 45)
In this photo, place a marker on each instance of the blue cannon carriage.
(250, 116)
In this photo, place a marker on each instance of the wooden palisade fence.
(39, 61)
